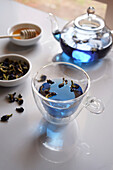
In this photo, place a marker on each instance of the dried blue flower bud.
(5, 118)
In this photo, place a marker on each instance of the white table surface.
(17, 151)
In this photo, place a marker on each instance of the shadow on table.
(96, 70)
(12, 48)
(53, 145)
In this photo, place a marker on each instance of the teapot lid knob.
(91, 10)
(90, 21)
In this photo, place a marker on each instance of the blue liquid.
(79, 55)
(62, 110)
(62, 93)
(57, 35)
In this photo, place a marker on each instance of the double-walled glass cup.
(63, 111)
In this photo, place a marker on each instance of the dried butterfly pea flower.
(66, 81)
(53, 93)
(78, 93)
(1, 64)
(74, 86)
(19, 99)
(19, 96)
(11, 97)
(5, 118)
(50, 94)
(76, 89)
(5, 77)
(61, 85)
(44, 89)
(12, 69)
(42, 78)
(20, 70)
(20, 109)
(50, 81)
(3, 70)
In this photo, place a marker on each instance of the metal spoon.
(24, 34)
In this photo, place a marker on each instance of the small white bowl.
(25, 42)
(17, 81)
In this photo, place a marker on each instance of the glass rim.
(60, 101)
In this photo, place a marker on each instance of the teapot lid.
(89, 21)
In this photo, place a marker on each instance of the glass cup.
(64, 111)
(59, 113)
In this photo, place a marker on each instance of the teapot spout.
(54, 27)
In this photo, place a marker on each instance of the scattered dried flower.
(5, 118)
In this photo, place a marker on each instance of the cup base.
(57, 143)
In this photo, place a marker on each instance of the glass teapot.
(85, 39)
